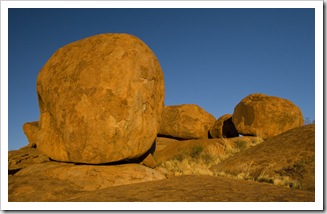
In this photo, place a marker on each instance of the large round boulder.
(188, 121)
(101, 100)
(224, 127)
(266, 116)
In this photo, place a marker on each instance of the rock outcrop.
(101, 100)
(31, 130)
(24, 157)
(224, 127)
(287, 159)
(186, 121)
(266, 116)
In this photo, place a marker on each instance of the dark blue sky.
(210, 57)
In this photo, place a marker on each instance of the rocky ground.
(238, 169)
(186, 188)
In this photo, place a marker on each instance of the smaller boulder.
(224, 128)
(266, 116)
(188, 121)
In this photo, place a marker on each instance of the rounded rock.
(101, 100)
(187, 121)
(266, 116)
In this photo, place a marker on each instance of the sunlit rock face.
(101, 100)
(266, 116)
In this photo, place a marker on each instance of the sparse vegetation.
(196, 151)
(263, 176)
(195, 161)
(199, 158)
(241, 145)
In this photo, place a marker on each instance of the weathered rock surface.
(198, 189)
(224, 127)
(287, 159)
(266, 116)
(186, 121)
(176, 189)
(101, 100)
(31, 130)
(24, 157)
(38, 189)
(92, 177)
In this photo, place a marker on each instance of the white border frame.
(317, 205)
(163, 4)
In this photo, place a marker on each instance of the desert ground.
(215, 170)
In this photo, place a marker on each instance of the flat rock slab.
(176, 189)
(39, 189)
(92, 177)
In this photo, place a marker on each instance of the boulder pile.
(101, 103)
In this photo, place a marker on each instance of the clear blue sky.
(210, 57)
